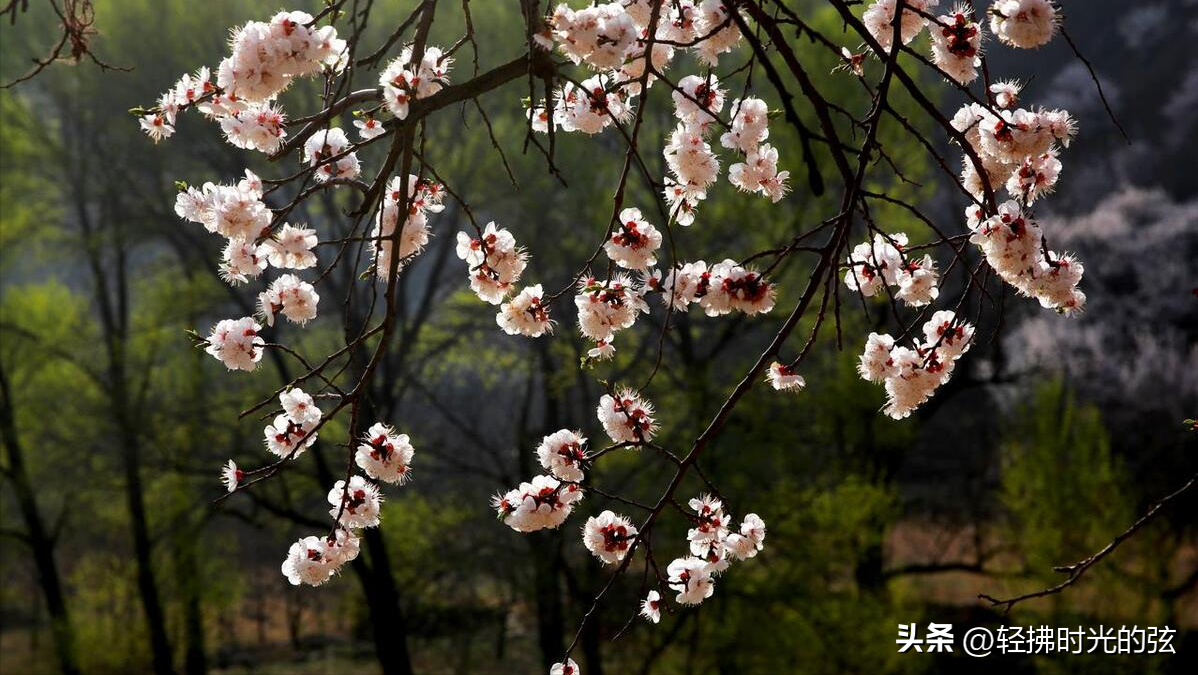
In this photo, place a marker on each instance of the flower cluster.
(713, 546)
(293, 430)
(385, 455)
(633, 242)
(912, 374)
(424, 197)
(314, 560)
(608, 536)
(759, 172)
(601, 36)
(356, 504)
(235, 212)
(238, 213)
(957, 36)
(525, 314)
(403, 82)
(588, 108)
(957, 44)
(564, 454)
(875, 265)
(1012, 243)
(725, 287)
(291, 248)
(613, 38)
(879, 20)
(327, 150)
(495, 261)
(255, 126)
(544, 503)
(627, 417)
(235, 343)
(693, 167)
(548, 500)
(266, 58)
(1024, 23)
(291, 296)
(605, 307)
(1006, 147)
(1018, 148)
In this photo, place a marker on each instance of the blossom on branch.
(385, 455)
(543, 503)
(235, 343)
(403, 82)
(524, 314)
(564, 454)
(1024, 23)
(295, 298)
(357, 504)
(608, 536)
(423, 197)
(633, 241)
(495, 261)
(627, 417)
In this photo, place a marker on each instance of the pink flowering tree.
(601, 72)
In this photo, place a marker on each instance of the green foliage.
(1064, 492)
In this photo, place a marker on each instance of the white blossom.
(358, 505)
(957, 44)
(627, 417)
(1024, 23)
(651, 606)
(258, 126)
(879, 20)
(235, 343)
(308, 562)
(295, 298)
(783, 378)
(291, 248)
(495, 262)
(567, 668)
(563, 453)
(242, 260)
(633, 241)
(608, 536)
(369, 128)
(606, 307)
(525, 314)
(385, 455)
(299, 406)
(231, 476)
(545, 502)
(691, 578)
(911, 374)
(423, 197)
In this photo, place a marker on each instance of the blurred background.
(1056, 434)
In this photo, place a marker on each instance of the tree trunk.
(147, 586)
(189, 584)
(550, 613)
(382, 597)
(39, 539)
